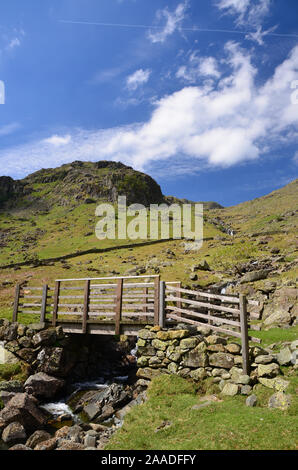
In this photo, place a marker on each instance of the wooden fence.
(93, 299)
(84, 305)
(222, 313)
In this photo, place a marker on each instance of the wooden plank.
(71, 313)
(206, 305)
(71, 288)
(125, 286)
(56, 302)
(30, 297)
(118, 310)
(162, 304)
(30, 305)
(142, 284)
(179, 302)
(102, 286)
(156, 300)
(86, 306)
(25, 312)
(194, 322)
(132, 305)
(137, 314)
(71, 297)
(31, 288)
(145, 296)
(205, 294)
(16, 303)
(244, 334)
(108, 278)
(224, 321)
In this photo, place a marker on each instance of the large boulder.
(255, 276)
(36, 438)
(13, 433)
(42, 385)
(100, 405)
(23, 408)
(281, 310)
(56, 361)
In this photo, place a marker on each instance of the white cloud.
(57, 140)
(233, 122)
(173, 22)
(138, 78)
(249, 13)
(198, 67)
(234, 7)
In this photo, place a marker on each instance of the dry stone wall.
(198, 354)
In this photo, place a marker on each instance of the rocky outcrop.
(10, 189)
(277, 304)
(79, 183)
(282, 308)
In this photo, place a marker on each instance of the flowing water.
(60, 408)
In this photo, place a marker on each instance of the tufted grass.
(227, 424)
(13, 372)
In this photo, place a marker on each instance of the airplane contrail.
(192, 29)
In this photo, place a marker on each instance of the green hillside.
(51, 214)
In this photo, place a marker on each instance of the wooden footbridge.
(124, 305)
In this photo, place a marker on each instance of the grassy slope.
(66, 231)
(225, 424)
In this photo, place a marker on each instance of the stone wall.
(198, 354)
(51, 351)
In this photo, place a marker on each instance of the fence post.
(44, 303)
(179, 294)
(162, 304)
(145, 300)
(119, 292)
(86, 306)
(244, 334)
(16, 303)
(156, 300)
(56, 302)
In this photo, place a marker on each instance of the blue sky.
(199, 94)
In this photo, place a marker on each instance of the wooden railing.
(203, 308)
(139, 300)
(91, 299)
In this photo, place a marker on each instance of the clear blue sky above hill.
(196, 93)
